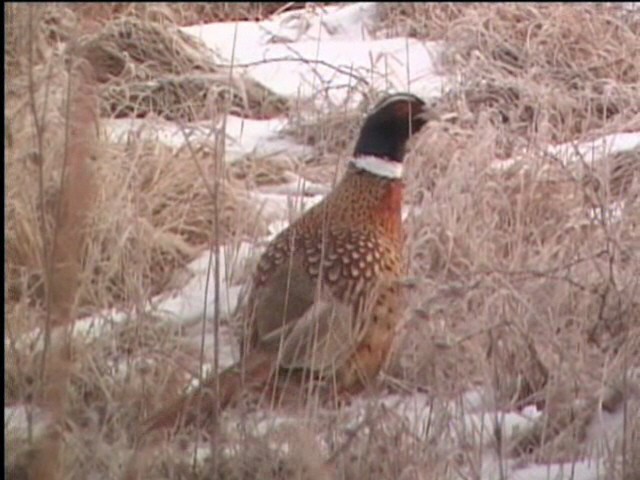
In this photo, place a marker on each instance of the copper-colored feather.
(325, 298)
(199, 405)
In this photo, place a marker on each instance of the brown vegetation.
(521, 285)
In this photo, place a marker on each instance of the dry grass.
(525, 293)
(518, 290)
(182, 14)
(153, 68)
(149, 219)
(538, 73)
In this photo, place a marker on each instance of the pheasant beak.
(427, 114)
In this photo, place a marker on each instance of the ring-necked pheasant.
(326, 296)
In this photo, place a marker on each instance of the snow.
(591, 152)
(188, 306)
(337, 68)
(297, 185)
(576, 155)
(610, 214)
(277, 208)
(242, 136)
(585, 470)
(581, 153)
(631, 6)
(17, 419)
(197, 298)
(328, 49)
(125, 130)
(259, 138)
(297, 54)
(90, 328)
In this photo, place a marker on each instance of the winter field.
(140, 191)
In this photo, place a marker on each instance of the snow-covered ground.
(299, 54)
(325, 49)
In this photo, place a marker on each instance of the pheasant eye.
(402, 110)
(387, 128)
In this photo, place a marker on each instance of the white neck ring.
(378, 166)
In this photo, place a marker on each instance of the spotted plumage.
(325, 298)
